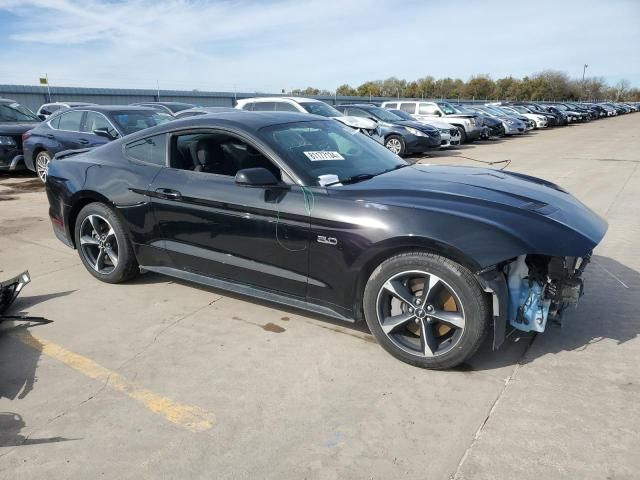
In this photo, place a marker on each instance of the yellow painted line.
(191, 417)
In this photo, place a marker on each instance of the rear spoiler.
(71, 153)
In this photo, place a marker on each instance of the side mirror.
(104, 132)
(256, 177)
(438, 113)
(42, 117)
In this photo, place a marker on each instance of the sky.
(267, 46)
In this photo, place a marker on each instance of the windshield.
(462, 109)
(178, 107)
(447, 108)
(521, 109)
(384, 115)
(134, 121)
(321, 108)
(14, 112)
(561, 107)
(324, 147)
(402, 114)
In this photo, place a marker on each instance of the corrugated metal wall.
(34, 96)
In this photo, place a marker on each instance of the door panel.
(255, 236)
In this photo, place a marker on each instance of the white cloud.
(253, 45)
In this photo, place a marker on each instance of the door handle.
(168, 194)
(83, 141)
(49, 136)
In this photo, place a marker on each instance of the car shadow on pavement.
(17, 379)
(607, 282)
(607, 312)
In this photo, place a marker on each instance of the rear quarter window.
(149, 150)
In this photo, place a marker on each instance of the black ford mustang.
(299, 209)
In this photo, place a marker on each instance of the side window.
(217, 153)
(71, 121)
(55, 121)
(390, 106)
(94, 121)
(356, 112)
(410, 108)
(427, 109)
(285, 107)
(248, 106)
(149, 149)
(264, 107)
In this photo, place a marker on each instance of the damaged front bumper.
(11, 288)
(532, 290)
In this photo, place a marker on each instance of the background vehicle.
(15, 119)
(309, 105)
(467, 123)
(81, 127)
(401, 136)
(449, 134)
(512, 125)
(193, 112)
(167, 107)
(539, 120)
(383, 241)
(47, 109)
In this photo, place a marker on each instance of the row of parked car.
(404, 127)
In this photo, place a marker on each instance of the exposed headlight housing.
(416, 132)
(7, 141)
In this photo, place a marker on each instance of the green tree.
(346, 90)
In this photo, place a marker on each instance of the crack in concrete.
(493, 408)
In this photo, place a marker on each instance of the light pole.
(584, 69)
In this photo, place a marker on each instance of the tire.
(395, 143)
(463, 135)
(401, 327)
(41, 165)
(108, 256)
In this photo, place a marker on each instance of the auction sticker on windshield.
(324, 155)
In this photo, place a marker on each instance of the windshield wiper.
(364, 176)
(353, 179)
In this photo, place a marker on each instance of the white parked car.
(539, 121)
(310, 105)
(449, 134)
(47, 109)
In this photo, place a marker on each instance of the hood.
(417, 125)
(516, 202)
(357, 122)
(16, 128)
(437, 124)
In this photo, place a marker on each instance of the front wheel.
(395, 144)
(103, 244)
(426, 310)
(463, 135)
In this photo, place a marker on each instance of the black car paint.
(265, 239)
(413, 143)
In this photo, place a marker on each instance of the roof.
(162, 103)
(249, 121)
(115, 108)
(278, 99)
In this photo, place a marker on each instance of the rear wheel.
(42, 160)
(396, 144)
(426, 310)
(103, 245)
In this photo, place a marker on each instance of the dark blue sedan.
(401, 136)
(84, 127)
